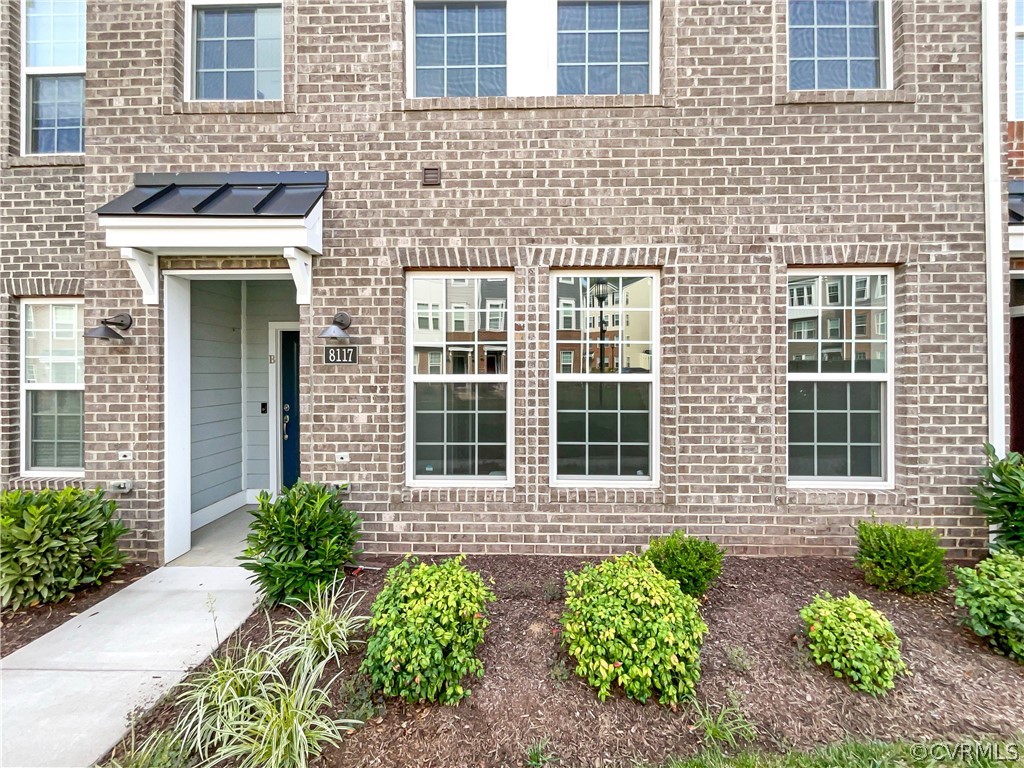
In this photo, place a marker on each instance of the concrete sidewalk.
(67, 698)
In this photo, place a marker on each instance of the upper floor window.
(52, 386)
(837, 44)
(603, 47)
(53, 71)
(1016, 56)
(460, 49)
(478, 48)
(236, 51)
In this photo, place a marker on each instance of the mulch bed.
(752, 657)
(20, 628)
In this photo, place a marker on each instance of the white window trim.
(188, 55)
(654, 378)
(412, 378)
(888, 482)
(26, 105)
(24, 388)
(1014, 30)
(531, 49)
(887, 54)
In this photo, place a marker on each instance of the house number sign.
(341, 355)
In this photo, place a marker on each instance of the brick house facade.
(721, 182)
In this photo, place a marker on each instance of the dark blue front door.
(289, 407)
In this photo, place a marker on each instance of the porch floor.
(219, 543)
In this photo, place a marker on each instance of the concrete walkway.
(68, 697)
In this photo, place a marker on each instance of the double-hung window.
(838, 44)
(478, 48)
(459, 398)
(840, 378)
(605, 418)
(52, 386)
(53, 68)
(235, 51)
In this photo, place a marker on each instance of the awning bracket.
(301, 265)
(146, 268)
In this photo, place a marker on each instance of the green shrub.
(627, 624)
(427, 622)
(298, 541)
(1000, 496)
(55, 541)
(993, 594)
(900, 558)
(694, 563)
(321, 629)
(855, 639)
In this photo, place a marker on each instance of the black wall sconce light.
(105, 330)
(338, 329)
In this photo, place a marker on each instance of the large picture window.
(604, 368)
(460, 379)
(840, 377)
(52, 385)
(53, 66)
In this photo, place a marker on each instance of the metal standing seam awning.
(218, 214)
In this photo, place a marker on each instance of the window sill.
(47, 161)
(451, 482)
(588, 483)
(35, 476)
(487, 103)
(278, 106)
(825, 486)
(899, 95)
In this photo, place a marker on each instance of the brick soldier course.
(723, 182)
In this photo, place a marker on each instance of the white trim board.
(218, 509)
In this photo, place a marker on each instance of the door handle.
(284, 424)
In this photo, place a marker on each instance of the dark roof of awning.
(235, 194)
(1016, 202)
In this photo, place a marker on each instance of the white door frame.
(178, 397)
(274, 393)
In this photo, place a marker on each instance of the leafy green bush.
(855, 639)
(900, 558)
(1000, 496)
(55, 541)
(427, 622)
(299, 540)
(694, 563)
(627, 624)
(321, 629)
(993, 594)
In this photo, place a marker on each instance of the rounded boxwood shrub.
(993, 594)
(427, 622)
(855, 639)
(693, 563)
(900, 558)
(299, 541)
(627, 624)
(55, 541)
